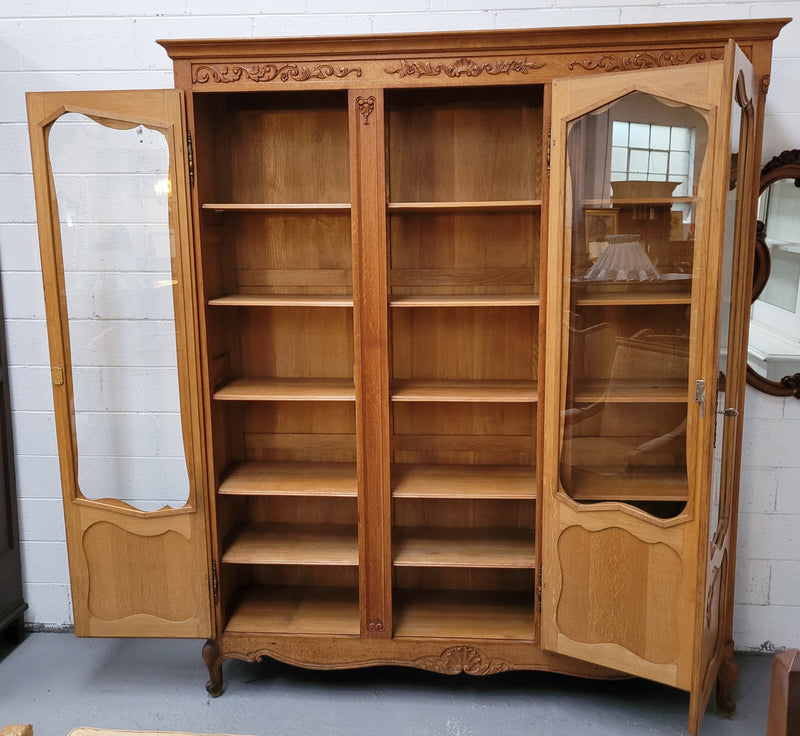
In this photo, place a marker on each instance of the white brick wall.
(93, 44)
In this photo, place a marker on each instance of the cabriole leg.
(211, 656)
(726, 679)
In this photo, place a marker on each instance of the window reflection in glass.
(629, 302)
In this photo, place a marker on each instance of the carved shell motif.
(461, 68)
(643, 60)
(223, 74)
(456, 660)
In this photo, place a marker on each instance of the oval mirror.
(773, 354)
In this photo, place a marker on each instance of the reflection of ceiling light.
(168, 282)
(163, 187)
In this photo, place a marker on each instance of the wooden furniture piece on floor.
(17, 729)
(427, 416)
(783, 718)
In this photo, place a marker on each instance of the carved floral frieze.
(268, 72)
(455, 660)
(644, 60)
(462, 68)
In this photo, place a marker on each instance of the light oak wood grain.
(297, 610)
(287, 389)
(290, 544)
(464, 615)
(492, 391)
(436, 547)
(281, 300)
(296, 479)
(463, 481)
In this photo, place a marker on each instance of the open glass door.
(112, 203)
(715, 628)
(640, 166)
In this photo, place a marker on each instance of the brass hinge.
(549, 141)
(57, 374)
(214, 581)
(539, 592)
(190, 156)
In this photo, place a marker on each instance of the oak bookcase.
(428, 416)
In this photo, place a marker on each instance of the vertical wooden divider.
(371, 326)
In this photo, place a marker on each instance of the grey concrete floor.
(58, 682)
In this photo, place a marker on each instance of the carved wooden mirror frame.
(783, 166)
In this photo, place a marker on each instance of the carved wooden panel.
(644, 60)
(463, 67)
(455, 660)
(131, 574)
(620, 590)
(268, 72)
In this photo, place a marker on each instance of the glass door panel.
(112, 198)
(633, 170)
(113, 192)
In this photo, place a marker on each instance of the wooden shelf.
(291, 479)
(440, 547)
(464, 300)
(464, 481)
(297, 610)
(294, 208)
(466, 391)
(632, 391)
(293, 544)
(632, 484)
(287, 389)
(463, 615)
(281, 300)
(634, 201)
(521, 205)
(626, 299)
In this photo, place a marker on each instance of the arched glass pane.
(113, 192)
(631, 261)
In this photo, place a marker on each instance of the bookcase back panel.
(306, 575)
(486, 253)
(299, 431)
(458, 579)
(302, 510)
(296, 342)
(463, 433)
(286, 148)
(463, 513)
(274, 254)
(479, 144)
(467, 344)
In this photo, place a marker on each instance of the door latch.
(729, 412)
(700, 396)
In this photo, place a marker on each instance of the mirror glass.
(114, 196)
(774, 344)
